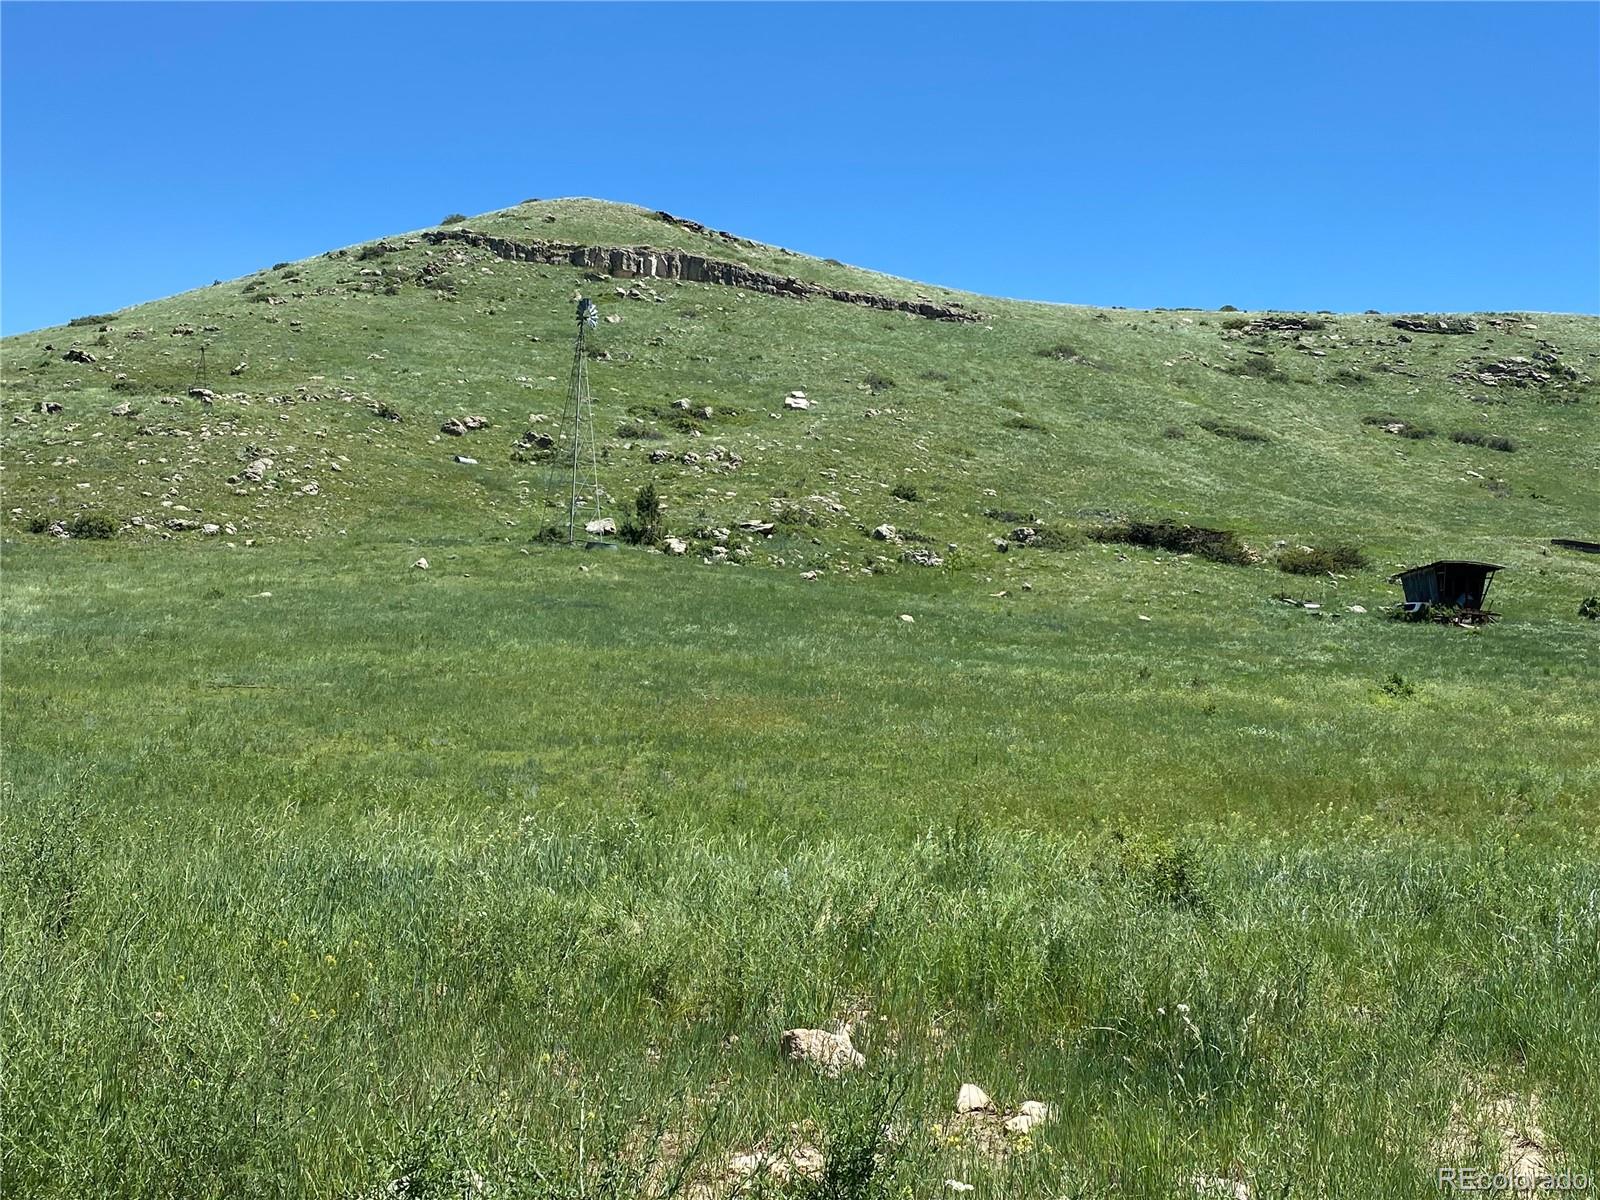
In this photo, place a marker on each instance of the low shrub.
(1256, 366)
(1322, 560)
(1216, 545)
(1061, 352)
(877, 383)
(1043, 537)
(99, 525)
(38, 523)
(1021, 422)
(1399, 426)
(1175, 433)
(91, 319)
(789, 513)
(638, 431)
(905, 491)
(1163, 873)
(643, 528)
(281, 266)
(1489, 441)
(1398, 686)
(454, 219)
(1590, 608)
(1237, 433)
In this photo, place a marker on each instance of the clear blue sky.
(1299, 156)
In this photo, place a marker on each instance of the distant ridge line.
(644, 262)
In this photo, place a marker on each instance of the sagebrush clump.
(1322, 560)
(1217, 545)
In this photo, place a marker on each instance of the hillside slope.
(1252, 422)
(324, 875)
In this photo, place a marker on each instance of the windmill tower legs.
(574, 478)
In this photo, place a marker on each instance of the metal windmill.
(574, 474)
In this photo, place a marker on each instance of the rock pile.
(456, 426)
(1436, 324)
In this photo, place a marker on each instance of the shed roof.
(1446, 562)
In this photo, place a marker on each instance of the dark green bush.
(1163, 873)
(1590, 608)
(1257, 366)
(1044, 537)
(1174, 432)
(638, 431)
(1490, 441)
(877, 383)
(38, 523)
(643, 528)
(1398, 686)
(1322, 560)
(1009, 515)
(905, 491)
(1061, 351)
(1021, 422)
(1217, 545)
(1407, 429)
(1237, 433)
(91, 319)
(99, 525)
(454, 219)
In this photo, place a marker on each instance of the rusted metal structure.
(1457, 586)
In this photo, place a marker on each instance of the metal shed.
(1449, 583)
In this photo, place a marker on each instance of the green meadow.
(325, 874)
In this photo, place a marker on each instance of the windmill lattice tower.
(574, 477)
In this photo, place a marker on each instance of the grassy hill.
(328, 875)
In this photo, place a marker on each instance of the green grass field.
(325, 875)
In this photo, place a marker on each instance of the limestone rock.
(1031, 1115)
(830, 1053)
(676, 545)
(421, 564)
(605, 526)
(886, 533)
(77, 355)
(972, 1098)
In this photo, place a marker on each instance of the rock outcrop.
(627, 262)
